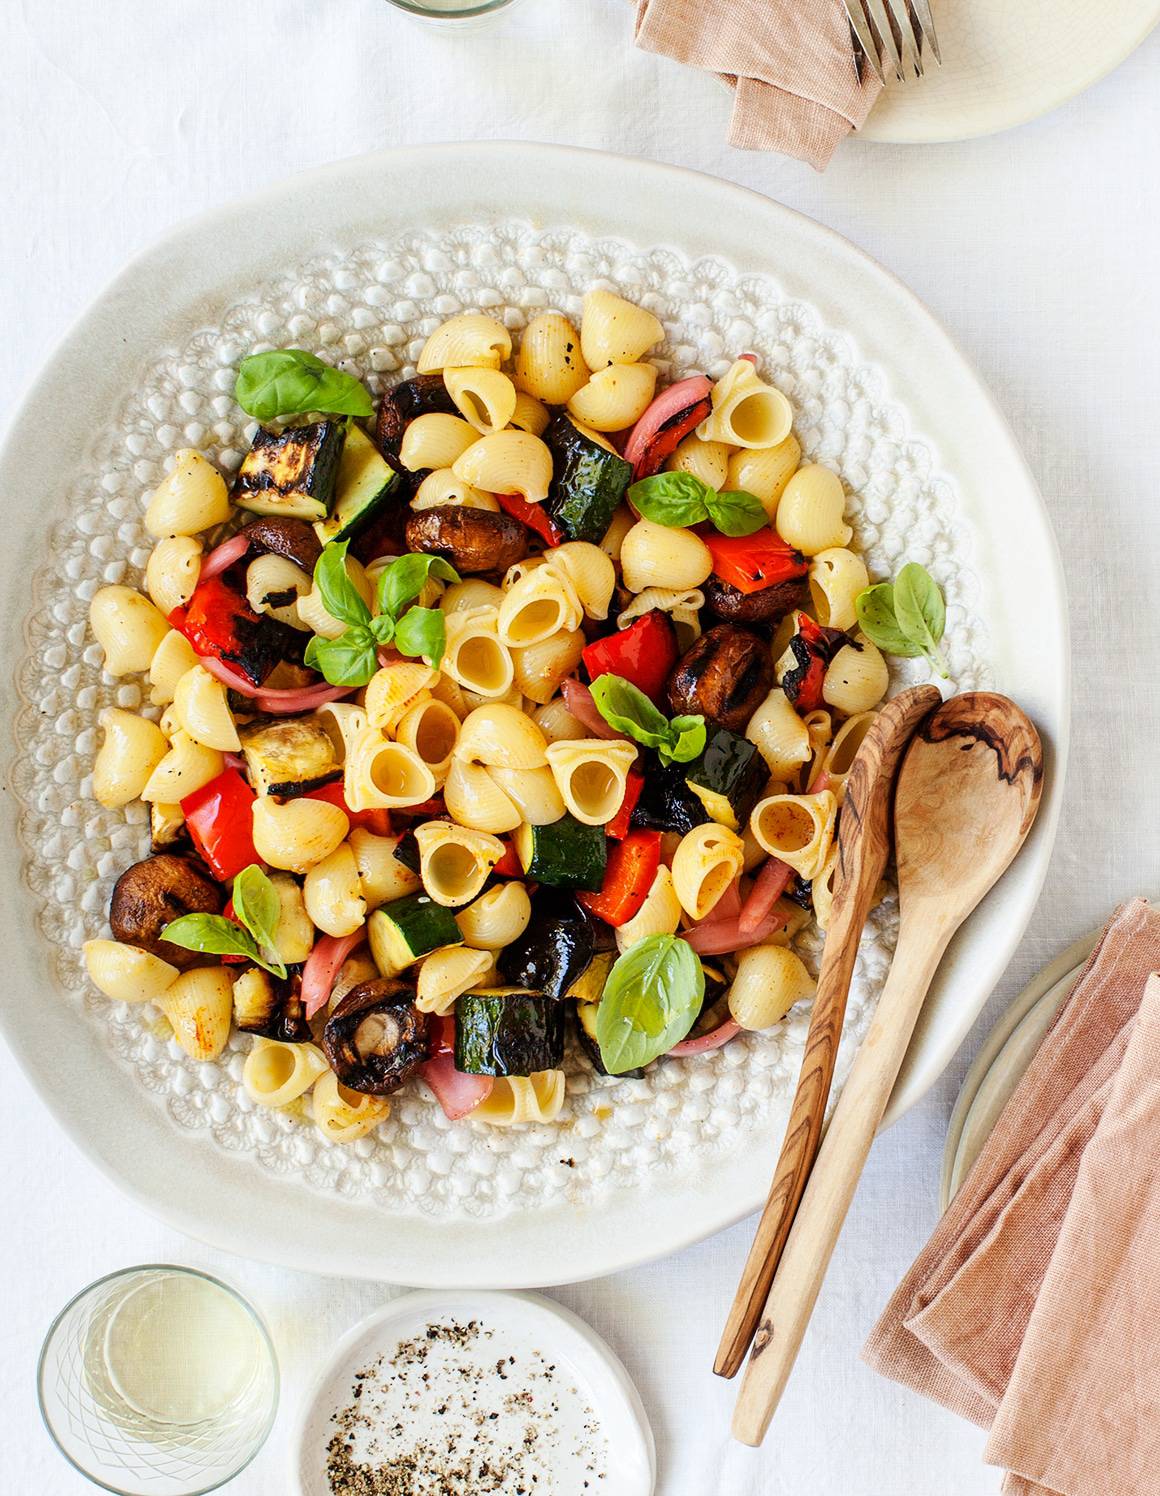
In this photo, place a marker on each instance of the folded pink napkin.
(790, 66)
(1034, 1309)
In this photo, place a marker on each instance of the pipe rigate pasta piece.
(533, 792)
(131, 750)
(344, 1116)
(681, 605)
(172, 571)
(498, 734)
(185, 768)
(764, 472)
(126, 974)
(653, 555)
(768, 981)
(455, 861)
(474, 655)
(837, 576)
(128, 628)
(704, 866)
(708, 461)
(840, 754)
(447, 974)
(616, 331)
(203, 709)
(591, 774)
(471, 340)
(382, 775)
(474, 799)
(171, 659)
(780, 735)
(539, 604)
(497, 918)
(797, 829)
(507, 462)
(442, 487)
(294, 932)
(746, 411)
(557, 723)
(485, 398)
(540, 668)
(549, 365)
(332, 890)
(430, 729)
(530, 414)
(436, 440)
(660, 914)
(192, 497)
(275, 1074)
(809, 514)
(200, 1007)
(591, 573)
(382, 877)
(394, 690)
(856, 678)
(615, 398)
(296, 834)
(515, 1099)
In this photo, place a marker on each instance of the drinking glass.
(158, 1381)
(449, 13)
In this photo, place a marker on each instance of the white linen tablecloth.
(1039, 251)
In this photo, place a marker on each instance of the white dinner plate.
(557, 1386)
(363, 258)
(1006, 62)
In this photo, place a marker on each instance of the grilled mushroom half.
(292, 538)
(769, 605)
(421, 396)
(148, 895)
(725, 677)
(376, 1038)
(473, 540)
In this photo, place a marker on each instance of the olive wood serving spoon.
(863, 846)
(967, 795)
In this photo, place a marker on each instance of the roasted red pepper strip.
(509, 865)
(644, 653)
(377, 821)
(210, 620)
(628, 875)
(752, 562)
(532, 515)
(813, 647)
(618, 828)
(220, 820)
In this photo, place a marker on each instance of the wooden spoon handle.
(863, 845)
(835, 1177)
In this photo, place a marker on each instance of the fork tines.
(891, 33)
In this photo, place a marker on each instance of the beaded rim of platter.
(369, 308)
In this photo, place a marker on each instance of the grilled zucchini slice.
(292, 472)
(365, 483)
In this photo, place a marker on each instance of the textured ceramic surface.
(332, 262)
(1004, 64)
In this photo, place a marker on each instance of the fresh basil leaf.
(736, 513)
(687, 740)
(404, 578)
(257, 905)
(672, 499)
(292, 382)
(422, 633)
(340, 597)
(921, 611)
(382, 626)
(626, 707)
(349, 660)
(651, 1000)
(876, 618)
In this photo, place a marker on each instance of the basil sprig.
(907, 616)
(651, 1000)
(292, 382)
(256, 905)
(352, 658)
(677, 499)
(624, 706)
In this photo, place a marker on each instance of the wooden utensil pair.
(965, 800)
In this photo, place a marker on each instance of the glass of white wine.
(158, 1381)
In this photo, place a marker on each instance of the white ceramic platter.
(1009, 61)
(362, 259)
(557, 1391)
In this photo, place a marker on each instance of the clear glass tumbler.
(158, 1381)
(448, 13)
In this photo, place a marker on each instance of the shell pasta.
(466, 723)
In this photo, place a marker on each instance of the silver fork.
(891, 33)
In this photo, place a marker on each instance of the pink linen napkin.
(790, 66)
(1035, 1307)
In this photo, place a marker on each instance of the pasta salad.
(523, 701)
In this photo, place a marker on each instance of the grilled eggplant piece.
(270, 1006)
(426, 394)
(166, 826)
(586, 1034)
(286, 756)
(376, 1038)
(152, 893)
(810, 651)
(769, 605)
(667, 803)
(293, 539)
(725, 677)
(473, 540)
(728, 778)
(555, 949)
(508, 1031)
(292, 472)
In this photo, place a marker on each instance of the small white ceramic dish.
(637, 1169)
(1005, 63)
(587, 1426)
(1000, 1064)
